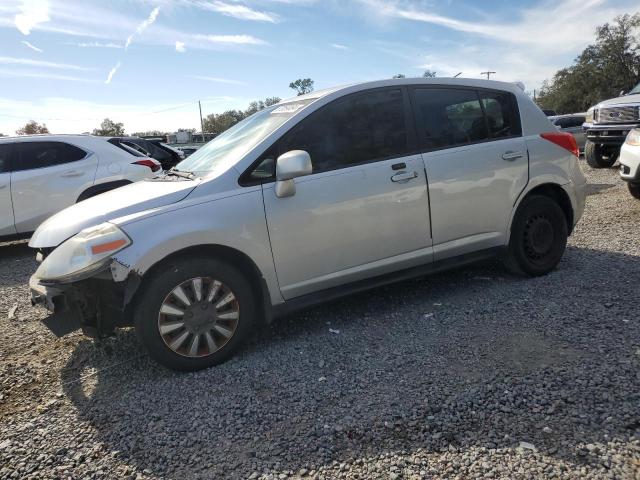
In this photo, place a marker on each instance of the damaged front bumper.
(95, 305)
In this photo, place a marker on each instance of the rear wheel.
(195, 313)
(600, 156)
(634, 190)
(538, 236)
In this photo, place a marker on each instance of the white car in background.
(630, 162)
(43, 174)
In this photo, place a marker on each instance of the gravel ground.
(469, 374)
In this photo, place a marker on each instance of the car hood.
(635, 98)
(134, 198)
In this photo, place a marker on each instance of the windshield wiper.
(180, 173)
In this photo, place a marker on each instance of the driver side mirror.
(290, 165)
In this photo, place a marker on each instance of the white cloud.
(143, 26)
(180, 47)
(555, 25)
(27, 62)
(69, 115)
(219, 80)
(339, 46)
(236, 10)
(32, 13)
(112, 72)
(98, 45)
(7, 73)
(31, 46)
(230, 39)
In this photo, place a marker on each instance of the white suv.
(310, 199)
(42, 174)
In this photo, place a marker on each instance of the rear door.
(7, 224)
(47, 177)
(476, 162)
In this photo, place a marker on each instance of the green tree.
(302, 86)
(109, 128)
(258, 105)
(32, 128)
(601, 71)
(429, 74)
(150, 133)
(219, 122)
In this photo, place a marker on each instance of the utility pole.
(488, 74)
(201, 122)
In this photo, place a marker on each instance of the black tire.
(634, 190)
(157, 290)
(597, 156)
(538, 237)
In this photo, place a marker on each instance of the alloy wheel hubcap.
(198, 317)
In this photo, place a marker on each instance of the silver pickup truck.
(607, 125)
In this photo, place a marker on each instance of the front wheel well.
(223, 253)
(556, 193)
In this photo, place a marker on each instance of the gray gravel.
(469, 374)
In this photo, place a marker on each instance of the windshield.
(230, 146)
(636, 89)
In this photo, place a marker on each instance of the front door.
(476, 162)
(7, 226)
(365, 209)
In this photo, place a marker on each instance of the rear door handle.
(72, 173)
(404, 176)
(509, 156)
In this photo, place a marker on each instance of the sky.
(146, 63)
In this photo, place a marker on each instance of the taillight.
(564, 140)
(154, 165)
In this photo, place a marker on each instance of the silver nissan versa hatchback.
(315, 197)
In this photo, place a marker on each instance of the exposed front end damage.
(97, 305)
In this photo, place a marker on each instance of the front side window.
(359, 128)
(502, 115)
(634, 90)
(30, 155)
(5, 152)
(447, 117)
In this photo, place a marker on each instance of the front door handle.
(509, 156)
(404, 176)
(72, 173)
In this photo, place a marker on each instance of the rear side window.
(30, 155)
(448, 117)
(502, 114)
(5, 152)
(359, 128)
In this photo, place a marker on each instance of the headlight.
(83, 254)
(633, 138)
(589, 116)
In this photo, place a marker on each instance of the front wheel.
(194, 313)
(599, 156)
(538, 237)
(634, 190)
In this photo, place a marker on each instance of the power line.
(488, 74)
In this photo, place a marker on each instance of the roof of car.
(51, 136)
(466, 82)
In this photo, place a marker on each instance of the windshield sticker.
(288, 108)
